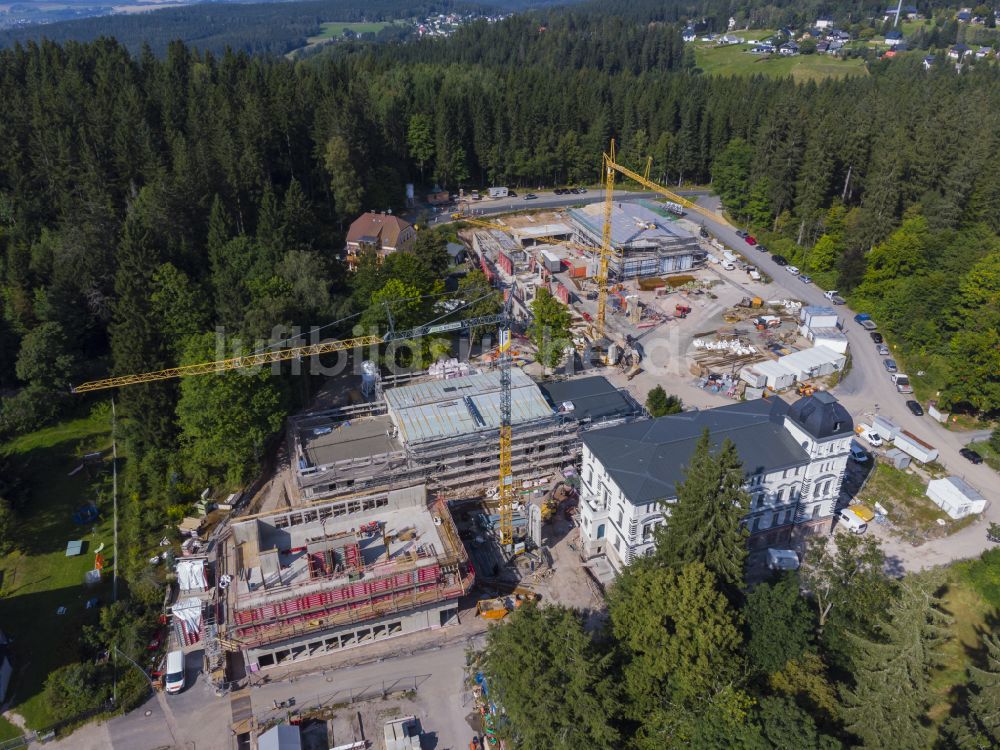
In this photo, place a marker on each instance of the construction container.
(922, 452)
(551, 261)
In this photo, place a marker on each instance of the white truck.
(868, 433)
(499, 192)
(834, 296)
(902, 382)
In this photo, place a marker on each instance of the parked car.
(530, 197)
(750, 240)
(876, 337)
(559, 191)
(579, 191)
(781, 260)
(741, 233)
(511, 194)
(890, 365)
(805, 279)
(882, 349)
(174, 682)
(970, 455)
(859, 454)
(762, 248)
(915, 408)
(852, 521)
(793, 270)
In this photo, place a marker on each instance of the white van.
(852, 521)
(869, 434)
(175, 672)
(782, 559)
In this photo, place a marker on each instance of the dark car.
(741, 233)
(762, 248)
(511, 194)
(970, 455)
(915, 408)
(781, 260)
(876, 337)
(559, 191)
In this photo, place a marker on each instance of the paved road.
(867, 390)
(488, 207)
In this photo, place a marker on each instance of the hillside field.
(736, 60)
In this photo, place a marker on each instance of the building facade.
(383, 233)
(794, 456)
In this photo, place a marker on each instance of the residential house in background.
(381, 232)
(824, 22)
(958, 52)
(893, 38)
(788, 49)
(794, 458)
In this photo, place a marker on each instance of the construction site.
(309, 581)
(391, 506)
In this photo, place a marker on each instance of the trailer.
(920, 451)
(499, 192)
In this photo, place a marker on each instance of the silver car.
(882, 349)
(890, 365)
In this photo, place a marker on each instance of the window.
(600, 531)
(781, 496)
(647, 531)
(788, 516)
(756, 525)
(621, 514)
(816, 511)
(826, 487)
(784, 474)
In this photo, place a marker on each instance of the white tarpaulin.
(187, 620)
(191, 575)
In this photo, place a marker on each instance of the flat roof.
(347, 440)
(631, 225)
(437, 409)
(593, 398)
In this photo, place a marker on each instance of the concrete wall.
(321, 642)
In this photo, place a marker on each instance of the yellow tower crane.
(505, 486)
(610, 168)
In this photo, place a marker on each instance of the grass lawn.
(912, 513)
(736, 60)
(38, 578)
(336, 29)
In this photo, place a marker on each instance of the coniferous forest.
(146, 199)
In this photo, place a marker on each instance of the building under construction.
(309, 581)
(645, 240)
(444, 432)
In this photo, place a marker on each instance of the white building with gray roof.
(794, 458)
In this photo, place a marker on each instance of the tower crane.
(505, 486)
(610, 168)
